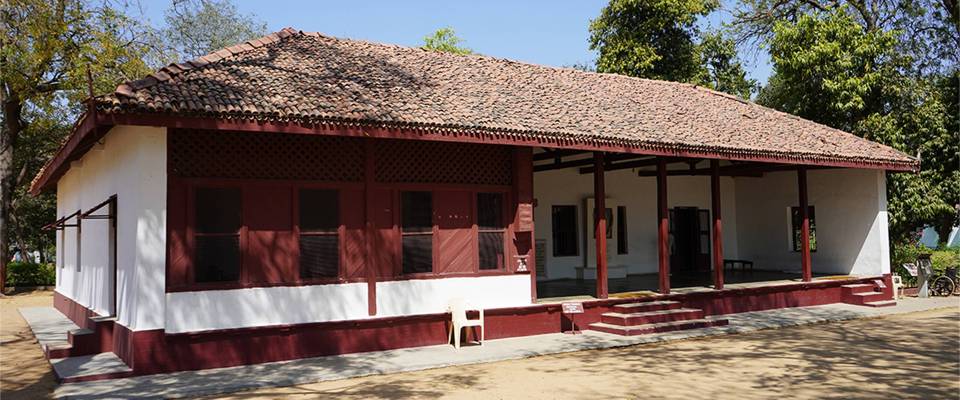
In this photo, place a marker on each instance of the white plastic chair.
(458, 311)
(897, 287)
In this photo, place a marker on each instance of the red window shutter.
(456, 240)
(354, 246)
(386, 239)
(178, 261)
(270, 255)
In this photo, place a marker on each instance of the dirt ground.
(905, 356)
(898, 357)
(24, 372)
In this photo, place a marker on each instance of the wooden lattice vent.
(409, 161)
(220, 154)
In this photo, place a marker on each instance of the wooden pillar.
(804, 225)
(663, 251)
(600, 223)
(369, 261)
(717, 225)
(523, 223)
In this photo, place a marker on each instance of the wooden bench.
(732, 264)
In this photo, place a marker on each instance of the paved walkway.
(286, 373)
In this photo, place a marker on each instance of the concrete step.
(858, 288)
(645, 329)
(57, 349)
(651, 317)
(882, 303)
(632, 308)
(863, 298)
(90, 368)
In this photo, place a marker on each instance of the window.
(490, 230)
(217, 254)
(319, 233)
(795, 228)
(565, 231)
(416, 229)
(622, 230)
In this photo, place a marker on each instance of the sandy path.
(24, 372)
(866, 359)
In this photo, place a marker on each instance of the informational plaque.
(911, 268)
(572, 308)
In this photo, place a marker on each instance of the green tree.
(832, 67)
(650, 38)
(721, 67)
(48, 49)
(195, 28)
(445, 39)
(659, 39)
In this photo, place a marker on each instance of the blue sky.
(541, 32)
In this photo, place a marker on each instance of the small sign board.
(911, 268)
(572, 308)
(879, 283)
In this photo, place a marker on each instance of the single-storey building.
(300, 195)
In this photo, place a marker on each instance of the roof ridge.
(507, 60)
(170, 71)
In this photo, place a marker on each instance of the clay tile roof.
(310, 78)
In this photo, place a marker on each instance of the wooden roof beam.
(646, 161)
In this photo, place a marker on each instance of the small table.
(732, 264)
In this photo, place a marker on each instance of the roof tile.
(315, 79)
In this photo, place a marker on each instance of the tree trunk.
(9, 132)
(943, 228)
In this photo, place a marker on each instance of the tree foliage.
(445, 39)
(195, 28)
(659, 39)
(49, 48)
(835, 68)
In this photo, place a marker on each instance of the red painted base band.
(74, 311)
(153, 351)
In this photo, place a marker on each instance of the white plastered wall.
(851, 221)
(241, 308)
(131, 163)
(639, 196)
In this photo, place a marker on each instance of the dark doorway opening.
(689, 243)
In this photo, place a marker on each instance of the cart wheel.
(942, 286)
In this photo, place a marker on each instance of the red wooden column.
(717, 225)
(523, 223)
(804, 225)
(663, 250)
(369, 261)
(600, 223)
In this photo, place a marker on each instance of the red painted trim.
(154, 351)
(74, 311)
(717, 225)
(804, 226)
(600, 223)
(481, 136)
(57, 166)
(663, 250)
